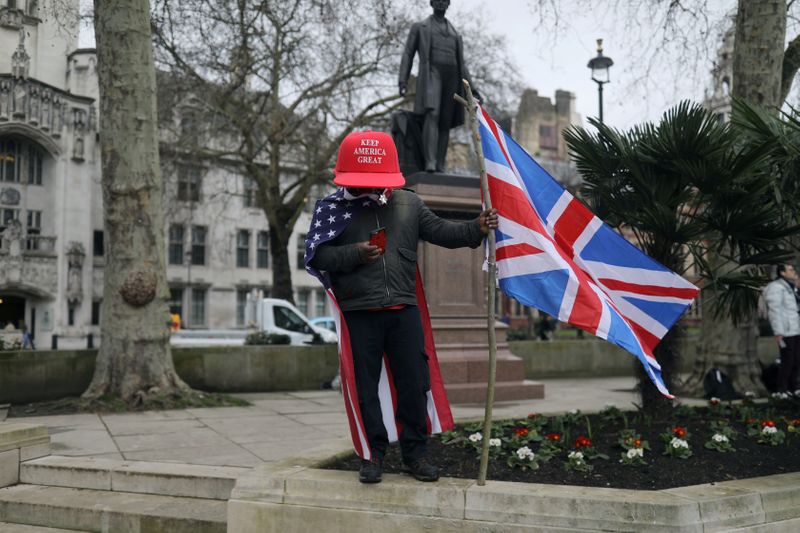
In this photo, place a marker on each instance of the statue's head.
(440, 5)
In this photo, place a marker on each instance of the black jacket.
(391, 280)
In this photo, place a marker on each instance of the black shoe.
(421, 470)
(370, 471)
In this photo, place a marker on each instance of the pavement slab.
(278, 424)
(223, 455)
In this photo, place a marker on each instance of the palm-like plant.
(695, 198)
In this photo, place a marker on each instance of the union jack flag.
(332, 215)
(555, 255)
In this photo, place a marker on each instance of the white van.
(269, 315)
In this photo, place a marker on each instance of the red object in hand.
(378, 238)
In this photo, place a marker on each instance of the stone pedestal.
(455, 288)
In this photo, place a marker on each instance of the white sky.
(553, 58)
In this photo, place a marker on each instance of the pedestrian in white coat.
(782, 298)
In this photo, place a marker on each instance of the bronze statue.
(441, 69)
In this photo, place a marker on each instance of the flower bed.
(630, 450)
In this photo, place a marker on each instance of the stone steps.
(141, 477)
(105, 511)
(5, 527)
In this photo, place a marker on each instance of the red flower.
(637, 442)
(679, 432)
(520, 432)
(767, 423)
(795, 422)
(582, 442)
(553, 436)
(750, 421)
(714, 401)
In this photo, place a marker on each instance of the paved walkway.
(277, 425)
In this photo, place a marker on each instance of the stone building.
(51, 212)
(718, 99)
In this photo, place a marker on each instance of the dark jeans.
(790, 362)
(398, 334)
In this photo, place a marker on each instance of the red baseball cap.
(368, 159)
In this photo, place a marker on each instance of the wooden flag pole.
(472, 108)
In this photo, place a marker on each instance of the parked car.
(269, 315)
(326, 322)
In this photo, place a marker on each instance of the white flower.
(718, 437)
(714, 399)
(780, 395)
(678, 443)
(769, 430)
(525, 453)
(495, 442)
(578, 456)
(749, 394)
(476, 437)
(574, 412)
(633, 452)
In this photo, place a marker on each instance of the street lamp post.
(600, 66)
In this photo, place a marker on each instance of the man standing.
(782, 309)
(441, 69)
(362, 245)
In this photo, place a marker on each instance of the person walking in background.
(27, 338)
(782, 299)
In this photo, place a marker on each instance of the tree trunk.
(667, 354)
(134, 357)
(281, 264)
(732, 349)
(757, 79)
(758, 51)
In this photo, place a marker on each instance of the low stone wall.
(295, 496)
(29, 376)
(592, 357)
(256, 368)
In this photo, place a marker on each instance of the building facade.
(52, 243)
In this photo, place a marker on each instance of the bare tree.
(282, 82)
(135, 357)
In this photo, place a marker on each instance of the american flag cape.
(331, 217)
(555, 255)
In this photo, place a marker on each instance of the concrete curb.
(295, 495)
(20, 442)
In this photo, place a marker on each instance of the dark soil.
(456, 459)
(68, 406)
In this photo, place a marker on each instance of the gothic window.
(250, 189)
(175, 252)
(7, 215)
(243, 248)
(197, 315)
(301, 251)
(176, 301)
(547, 137)
(199, 245)
(98, 243)
(33, 229)
(320, 303)
(262, 250)
(20, 161)
(241, 305)
(9, 160)
(35, 159)
(189, 183)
